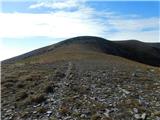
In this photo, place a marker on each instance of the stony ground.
(80, 90)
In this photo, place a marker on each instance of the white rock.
(83, 115)
(34, 112)
(143, 116)
(10, 118)
(49, 112)
(67, 118)
(106, 114)
(125, 91)
(152, 70)
(8, 111)
(137, 116)
(135, 110)
(157, 118)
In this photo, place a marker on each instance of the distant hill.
(85, 47)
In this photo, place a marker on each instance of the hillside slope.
(147, 53)
(83, 78)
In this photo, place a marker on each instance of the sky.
(31, 24)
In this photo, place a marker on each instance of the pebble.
(67, 118)
(34, 112)
(37, 105)
(8, 111)
(152, 70)
(83, 116)
(157, 104)
(135, 110)
(106, 113)
(144, 115)
(134, 75)
(137, 116)
(140, 117)
(52, 100)
(110, 105)
(10, 118)
(49, 113)
(157, 118)
(125, 91)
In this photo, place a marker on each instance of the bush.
(42, 110)
(95, 117)
(63, 110)
(49, 89)
(38, 98)
(21, 96)
(20, 85)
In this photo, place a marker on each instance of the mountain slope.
(83, 78)
(147, 53)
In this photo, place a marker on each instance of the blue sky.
(146, 9)
(30, 25)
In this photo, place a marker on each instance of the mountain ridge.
(147, 53)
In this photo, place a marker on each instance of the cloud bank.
(65, 22)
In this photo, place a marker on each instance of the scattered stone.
(157, 118)
(135, 110)
(37, 105)
(137, 116)
(34, 112)
(83, 116)
(86, 112)
(49, 113)
(157, 104)
(108, 93)
(125, 91)
(143, 116)
(151, 70)
(8, 111)
(156, 113)
(67, 118)
(107, 113)
(134, 74)
(110, 105)
(10, 118)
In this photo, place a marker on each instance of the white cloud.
(83, 21)
(137, 24)
(58, 4)
(58, 25)
(86, 21)
(145, 36)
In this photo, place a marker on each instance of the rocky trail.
(83, 78)
(82, 90)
